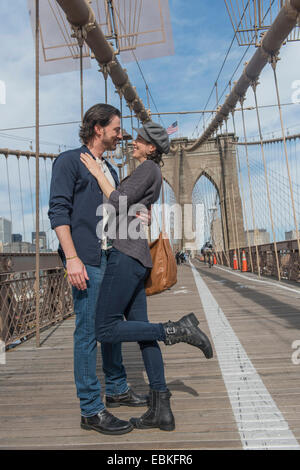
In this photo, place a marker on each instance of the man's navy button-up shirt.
(74, 199)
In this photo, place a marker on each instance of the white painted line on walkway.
(250, 400)
(244, 276)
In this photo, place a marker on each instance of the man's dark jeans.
(85, 348)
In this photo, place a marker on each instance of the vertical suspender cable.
(8, 186)
(254, 85)
(80, 43)
(148, 100)
(21, 196)
(225, 238)
(48, 191)
(132, 164)
(224, 222)
(250, 186)
(232, 225)
(243, 195)
(105, 75)
(244, 208)
(31, 196)
(37, 150)
(131, 122)
(46, 176)
(41, 210)
(273, 63)
(236, 230)
(163, 206)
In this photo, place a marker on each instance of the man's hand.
(77, 273)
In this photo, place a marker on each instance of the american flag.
(172, 128)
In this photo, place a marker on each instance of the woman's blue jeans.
(122, 295)
(85, 348)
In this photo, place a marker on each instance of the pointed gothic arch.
(217, 159)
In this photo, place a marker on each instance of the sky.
(202, 33)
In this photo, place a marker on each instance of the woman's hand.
(145, 216)
(91, 164)
(97, 172)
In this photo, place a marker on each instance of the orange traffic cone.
(215, 259)
(235, 264)
(244, 263)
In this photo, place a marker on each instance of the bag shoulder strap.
(163, 205)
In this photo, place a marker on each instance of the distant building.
(292, 235)
(257, 237)
(16, 238)
(5, 230)
(42, 239)
(18, 247)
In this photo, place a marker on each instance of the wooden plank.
(38, 404)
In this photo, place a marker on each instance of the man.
(75, 198)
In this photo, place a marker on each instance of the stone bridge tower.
(215, 159)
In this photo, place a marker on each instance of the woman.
(129, 261)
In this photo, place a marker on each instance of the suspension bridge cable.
(8, 186)
(273, 64)
(31, 195)
(223, 64)
(250, 186)
(254, 86)
(242, 190)
(244, 210)
(21, 198)
(271, 4)
(222, 67)
(27, 139)
(147, 87)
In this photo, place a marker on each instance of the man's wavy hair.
(101, 114)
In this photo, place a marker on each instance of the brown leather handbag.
(163, 274)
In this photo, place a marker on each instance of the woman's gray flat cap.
(155, 134)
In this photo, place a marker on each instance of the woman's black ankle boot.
(186, 331)
(159, 415)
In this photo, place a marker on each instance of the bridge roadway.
(246, 397)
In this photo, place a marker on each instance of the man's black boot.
(128, 398)
(106, 423)
(159, 415)
(186, 331)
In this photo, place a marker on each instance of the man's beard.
(110, 144)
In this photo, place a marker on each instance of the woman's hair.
(101, 114)
(156, 156)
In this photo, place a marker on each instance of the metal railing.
(18, 319)
(262, 260)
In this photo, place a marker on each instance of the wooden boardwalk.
(38, 404)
